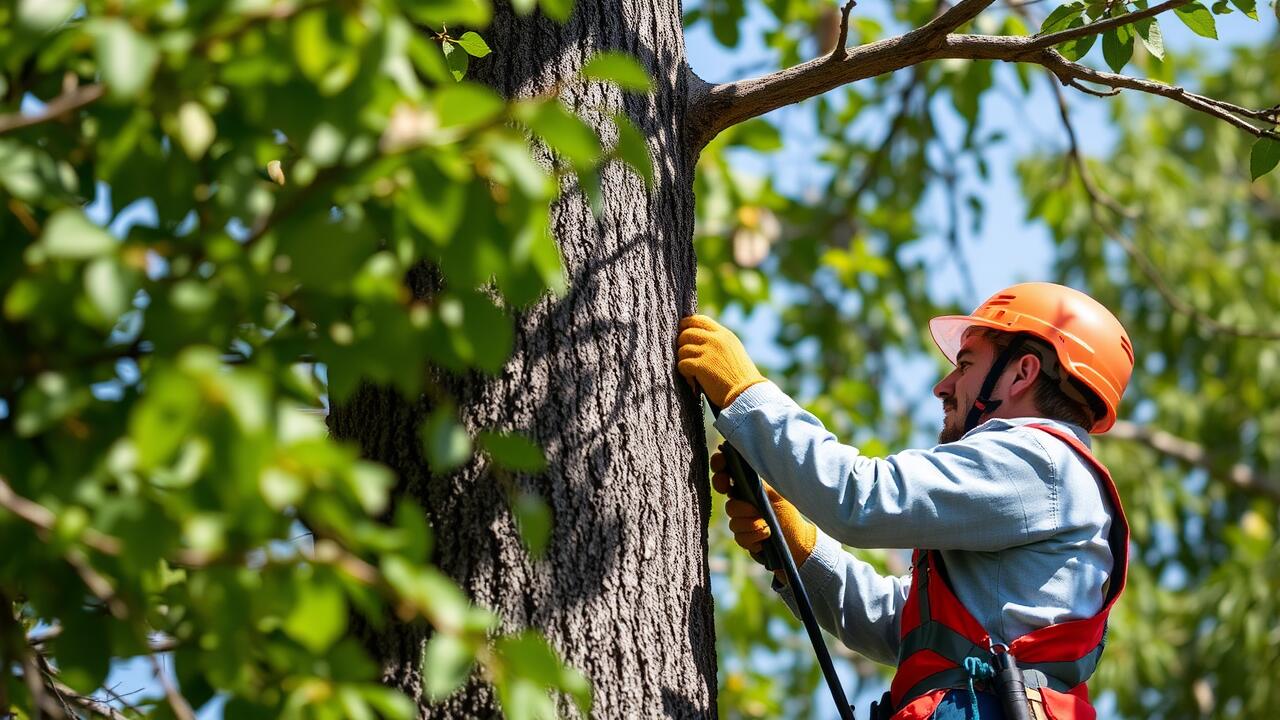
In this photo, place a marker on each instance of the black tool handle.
(1011, 687)
(747, 483)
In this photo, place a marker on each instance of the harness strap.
(984, 404)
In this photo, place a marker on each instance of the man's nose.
(944, 388)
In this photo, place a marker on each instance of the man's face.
(960, 387)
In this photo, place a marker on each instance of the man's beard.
(952, 425)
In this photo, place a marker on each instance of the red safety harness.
(938, 633)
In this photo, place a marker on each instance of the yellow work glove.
(713, 358)
(748, 525)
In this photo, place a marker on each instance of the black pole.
(747, 486)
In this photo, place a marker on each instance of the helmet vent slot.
(1128, 349)
(1007, 297)
(997, 302)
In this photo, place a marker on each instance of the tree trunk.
(622, 591)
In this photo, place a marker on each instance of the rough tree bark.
(622, 591)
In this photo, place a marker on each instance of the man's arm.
(852, 601)
(989, 491)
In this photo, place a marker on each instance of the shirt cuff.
(756, 396)
(818, 571)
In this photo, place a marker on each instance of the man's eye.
(964, 364)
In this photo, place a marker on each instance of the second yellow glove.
(748, 526)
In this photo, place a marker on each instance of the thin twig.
(842, 41)
(1239, 474)
(181, 708)
(1101, 199)
(69, 100)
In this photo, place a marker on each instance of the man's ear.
(1024, 372)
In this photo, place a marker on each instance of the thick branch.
(712, 108)
(1240, 475)
(951, 18)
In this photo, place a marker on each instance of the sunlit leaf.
(620, 69)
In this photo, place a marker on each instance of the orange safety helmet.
(1092, 345)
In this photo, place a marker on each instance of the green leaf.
(1221, 7)
(633, 149)
(445, 442)
(1149, 32)
(558, 10)
(533, 519)
(620, 69)
(1264, 156)
(513, 452)
(83, 650)
(456, 59)
(1061, 17)
(1198, 18)
(41, 16)
(390, 704)
(759, 135)
(319, 616)
(1078, 48)
(1117, 47)
(109, 286)
(446, 663)
(196, 130)
(563, 131)
(1248, 7)
(467, 103)
(473, 44)
(312, 48)
(468, 13)
(69, 235)
(126, 58)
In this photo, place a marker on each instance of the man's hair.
(1056, 394)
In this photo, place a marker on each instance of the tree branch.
(950, 19)
(842, 41)
(326, 552)
(1042, 42)
(1239, 474)
(181, 708)
(712, 108)
(1067, 70)
(72, 98)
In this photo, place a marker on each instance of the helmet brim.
(948, 332)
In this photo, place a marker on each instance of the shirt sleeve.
(994, 489)
(851, 600)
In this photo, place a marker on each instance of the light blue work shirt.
(1019, 517)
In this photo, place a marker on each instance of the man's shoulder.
(1017, 441)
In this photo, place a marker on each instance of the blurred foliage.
(208, 209)
(850, 267)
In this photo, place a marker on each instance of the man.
(1020, 541)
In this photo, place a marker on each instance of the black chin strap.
(984, 404)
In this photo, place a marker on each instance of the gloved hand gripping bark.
(713, 358)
